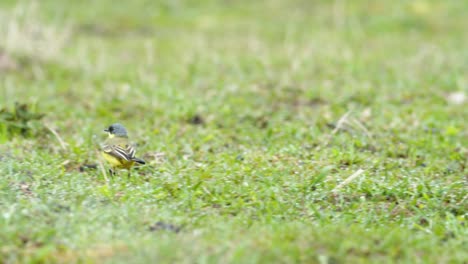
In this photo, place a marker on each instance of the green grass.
(251, 115)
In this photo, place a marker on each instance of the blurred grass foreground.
(274, 131)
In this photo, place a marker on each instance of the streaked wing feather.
(131, 151)
(122, 152)
(118, 152)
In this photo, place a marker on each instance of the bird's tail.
(137, 160)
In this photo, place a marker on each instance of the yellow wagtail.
(117, 149)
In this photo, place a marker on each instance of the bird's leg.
(129, 174)
(112, 173)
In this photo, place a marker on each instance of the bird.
(117, 149)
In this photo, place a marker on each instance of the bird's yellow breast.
(116, 162)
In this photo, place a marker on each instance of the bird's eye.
(111, 129)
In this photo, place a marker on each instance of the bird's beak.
(106, 130)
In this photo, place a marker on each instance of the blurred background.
(270, 64)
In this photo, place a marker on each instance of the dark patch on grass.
(19, 121)
(60, 208)
(86, 167)
(359, 252)
(359, 99)
(456, 210)
(397, 150)
(317, 101)
(162, 226)
(240, 157)
(70, 166)
(448, 236)
(27, 241)
(298, 102)
(349, 161)
(401, 210)
(259, 121)
(423, 221)
(369, 148)
(333, 260)
(196, 119)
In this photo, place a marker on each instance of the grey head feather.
(118, 130)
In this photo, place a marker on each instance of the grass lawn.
(274, 131)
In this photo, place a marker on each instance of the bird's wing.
(126, 152)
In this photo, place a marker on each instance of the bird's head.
(116, 130)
